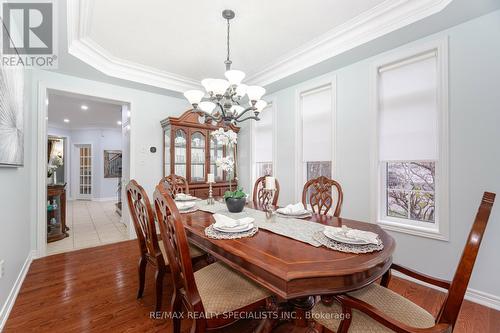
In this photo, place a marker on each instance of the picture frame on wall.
(11, 116)
(112, 164)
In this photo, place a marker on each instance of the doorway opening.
(87, 139)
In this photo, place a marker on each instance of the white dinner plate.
(183, 199)
(297, 216)
(242, 228)
(185, 205)
(342, 239)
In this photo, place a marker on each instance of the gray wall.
(18, 190)
(15, 220)
(474, 81)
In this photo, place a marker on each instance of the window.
(263, 143)
(315, 146)
(412, 159)
(264, 169)
(410, 190)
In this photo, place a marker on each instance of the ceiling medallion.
(227, 100)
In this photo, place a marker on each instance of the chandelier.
(225, 98)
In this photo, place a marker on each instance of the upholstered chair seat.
(223, 290)
(378, 309)
(193, 250)
(385, 300)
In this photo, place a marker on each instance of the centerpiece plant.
(235, 200)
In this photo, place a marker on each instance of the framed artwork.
(112, 164)
(11, 116)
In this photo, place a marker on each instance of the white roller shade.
(264, 136)
(316, 108)
(409, 110)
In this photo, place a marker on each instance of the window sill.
(413, 230)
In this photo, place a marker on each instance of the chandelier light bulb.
(255, 93)
(207, 106)
(241, 90)
(234, 76)
(260, 105)
(208, 85)
(194, 96)
(219, 86)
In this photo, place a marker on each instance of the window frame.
(300, 167)
(272, 106)
(440, 228)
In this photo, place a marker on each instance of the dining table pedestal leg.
(301, 306)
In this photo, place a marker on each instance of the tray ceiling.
(174, 44)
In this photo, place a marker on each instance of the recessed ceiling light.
(119, 122)
(84, 107)
(66, 120)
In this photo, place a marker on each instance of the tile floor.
(91, 223)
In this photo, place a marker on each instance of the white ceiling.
(100, 114)
(171, 45)
(188, 37)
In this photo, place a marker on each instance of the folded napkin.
(225, 222)
(295, 209)
(354, 234)
(184, 205)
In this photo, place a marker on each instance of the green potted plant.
(235, 200)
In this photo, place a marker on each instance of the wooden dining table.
(293, 270)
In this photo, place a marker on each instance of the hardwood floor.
(93, 290)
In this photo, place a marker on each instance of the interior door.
(84, 173)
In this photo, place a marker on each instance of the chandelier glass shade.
(227, 100)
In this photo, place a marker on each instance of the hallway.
(91, 223)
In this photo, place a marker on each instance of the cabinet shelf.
(195, 152)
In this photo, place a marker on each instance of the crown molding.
(88, 51)
(369, 25)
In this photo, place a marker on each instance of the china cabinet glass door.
(216, 152)
(180, 143)
(166, 166)
(197, 157)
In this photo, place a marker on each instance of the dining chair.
(378, 309)
(209, 292)
(175, 184)
(263, 198)
(319, 193)
(151, 248)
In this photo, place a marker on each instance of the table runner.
(301, 230)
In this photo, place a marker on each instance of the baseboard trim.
(473, 295)
(11, 299)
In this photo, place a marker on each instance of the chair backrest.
(175, 184)
(177, 248)
(262, 197)
(143, 219)
(451, 307)
(319, 193)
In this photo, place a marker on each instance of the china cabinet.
(190, 151)
(56, 212)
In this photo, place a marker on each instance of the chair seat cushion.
(223, 290)
(385, 300)
(193, 250)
